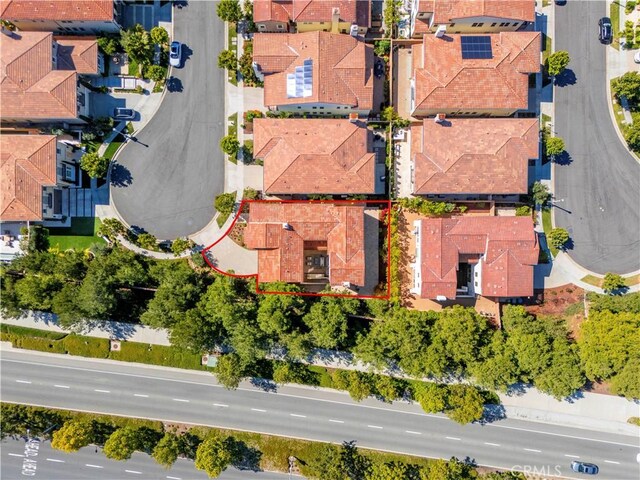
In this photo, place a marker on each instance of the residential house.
(39, 77)
(467, 256)
(34, 171)
(315, 244)
(66, 16)
(470, 16)
(473, 75)
(336, 16)
(319, 73)
(473, 158)
(316, 156)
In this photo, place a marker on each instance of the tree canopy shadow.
(563, 159)
(566, 78)
(245, 456)
(174, 85)
(120, 175)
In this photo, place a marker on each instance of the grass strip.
(80, 235)
(614, 14)
(597, 281)
(546, 225)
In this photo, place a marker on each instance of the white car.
(175, 54)
(636, 57)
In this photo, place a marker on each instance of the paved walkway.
(589, 410)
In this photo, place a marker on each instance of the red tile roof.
(298, 159)
(78, 53)
(352, 11)
(473, 155)
(336, 229)
(81, 10)
(30, 88)
(27, 163)
(508, 248)
(445, 80)
(342, 67)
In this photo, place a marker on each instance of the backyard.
(80, 235)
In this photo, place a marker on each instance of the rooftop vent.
(440, 117)
(286, 226)
(354, 30)
(442, 29)
(353, 117)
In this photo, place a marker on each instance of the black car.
(583, 467)
(605, 31)
(378, 70)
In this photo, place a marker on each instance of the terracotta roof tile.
(30, 88)
(473, 155)
(338, 228)
(78, 53)
(446, 11)
(342, 67)
(27, 163)
(445, 80)
(297, 159)
(508, 248)
(272, 11)
(351, 11)
(82, 10)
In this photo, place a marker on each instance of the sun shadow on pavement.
(563, 159)
(566, 78)
(186, 53)
(120, 176)
(174, 85)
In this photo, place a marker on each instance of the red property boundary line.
(386, 204)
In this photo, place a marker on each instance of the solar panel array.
(300, 83)
(474, 47)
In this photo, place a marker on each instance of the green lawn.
(130, 128)
(81, 234)
(113, 147)
(546, 225)
(614, 14)
(597, 281)
(134, 68)
(232, 75)
(232, 129)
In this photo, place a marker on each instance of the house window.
(261, 26)
(515, 24)
(82, 29)
(504, 24)
(280, 27)
(451, 25)
(299, 108)
(321, 108)
(69, 173)
(493, 24)
(315, 108)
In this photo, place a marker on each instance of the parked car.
(175, 54)
(120, 113)
(636, 57)
(583, 467)
(378, 69)
(605, 32)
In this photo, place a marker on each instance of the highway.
(36, 459)
(174, 395)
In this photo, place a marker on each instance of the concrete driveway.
(597, 189)
(166, 180)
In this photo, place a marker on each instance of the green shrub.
(523, 211)
(41, 344)
(86, 346)
(157, 355)
(30, 332)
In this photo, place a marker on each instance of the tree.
(557, 62)
(324, 463)
(72, 436)
(229, 10)
(95, 165)
(155, 72)
(167, 450)
(627, 382)
(464, 404)
(147, 241)
(632, 136)
(499, 369)
(179, 245)
(225, 203)
(388, 471)
(558, 237)
(564, 375)
(431, 396)
(227, 59)
(138, 44)
(122, 443)
(230, 145)
(159, 36)
(613, 282)
(355, 466)
(387, 387)
(359, 385)
(229, 371)
(109, 44)
(214, 455)
(628, 85)
(111, 228)
(540, 193)
(327, 320)
(554, 146)
(382, 48)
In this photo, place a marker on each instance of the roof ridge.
(35, 166)
(20, 56)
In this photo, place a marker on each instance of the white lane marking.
(23, 381)
(134, 471)
(141, 395)
(92, 466)
(611, 461)
(101, 391)
(54, 460)
(215, 405)
(15, 455)
(180, 400)
(258, 410)
(62, 386)
(374, 426)
(452, 438)
(174, 478)
(386, 409)
(492, 444)
(413, 433)
(336, 421)
(296, 415)
(572, 456)
(532, 450)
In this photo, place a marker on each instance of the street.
(597, 189)
(194, 397)
(36, 459)
(166, 180)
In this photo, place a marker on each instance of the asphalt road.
(36, 459)
(598, 192)
(166, 181)
(194, 397)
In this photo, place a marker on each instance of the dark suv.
(605, 32)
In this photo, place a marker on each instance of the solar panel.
(300, 82)
(476, 47)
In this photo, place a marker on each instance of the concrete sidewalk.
(593, 411)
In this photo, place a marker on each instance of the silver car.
(583, 467)
(175, 54)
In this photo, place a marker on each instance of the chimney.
(440, 118)
(354, 30)
(286, 226)
(353, 117)
(442, 29)
(335, 18)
